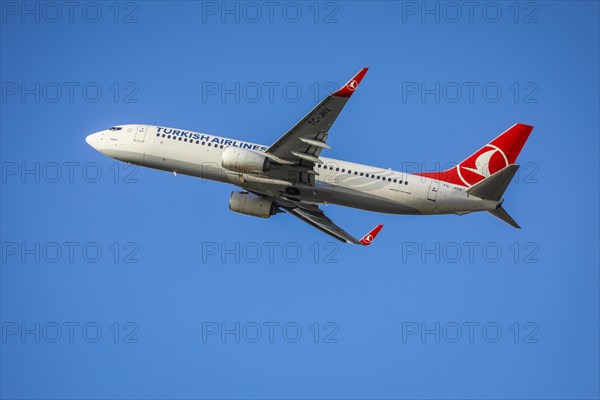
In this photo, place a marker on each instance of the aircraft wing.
(303, 143)
(314, 216)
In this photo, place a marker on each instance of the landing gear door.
(140, 134)
(433, 190)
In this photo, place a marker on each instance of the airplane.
(291, 176)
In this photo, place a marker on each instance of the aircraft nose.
(91, 139)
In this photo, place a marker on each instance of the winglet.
(369, 237)
(349, 88)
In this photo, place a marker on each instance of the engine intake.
(251, 204)
(243, 160)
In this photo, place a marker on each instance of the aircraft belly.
(359, 199)
(205, 170)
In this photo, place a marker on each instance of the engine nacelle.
(242, 160)
(251, 204)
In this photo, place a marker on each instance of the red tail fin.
(491, 158)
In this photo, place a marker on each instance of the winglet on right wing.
(369, 237)
(349, 88)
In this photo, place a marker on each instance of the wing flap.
(316, 143)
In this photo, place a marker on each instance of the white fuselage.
(337, 182)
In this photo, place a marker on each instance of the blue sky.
(125, 283)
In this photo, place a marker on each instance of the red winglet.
(369, 237)
(349, 88)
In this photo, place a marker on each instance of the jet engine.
(251, 204)
(242, 160)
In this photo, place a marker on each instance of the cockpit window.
(115, 128)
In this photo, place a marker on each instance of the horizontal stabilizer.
(493, 187)
(501, 214)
